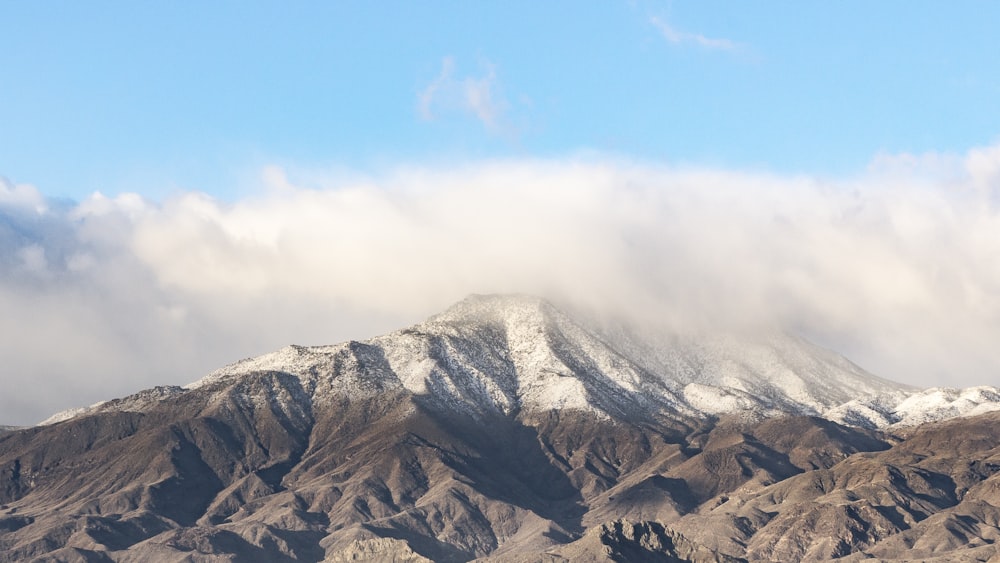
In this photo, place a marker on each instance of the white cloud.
(475, 96)
(33, 259)
(678, 37)
(897, 268)
(21, 196)
(983, 166)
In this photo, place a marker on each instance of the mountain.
(505, 429)
(504, 354)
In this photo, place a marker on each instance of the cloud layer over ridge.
(898, 268)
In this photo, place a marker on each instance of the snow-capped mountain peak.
(508, 354)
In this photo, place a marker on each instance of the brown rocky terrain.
(337, 461)
(215, 480)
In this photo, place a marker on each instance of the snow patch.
(716, 400)
(940, 403)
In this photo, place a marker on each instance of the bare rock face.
(622, 540)
(387, 550)
(932, 495)
(503, 430)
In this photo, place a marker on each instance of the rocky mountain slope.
(506, 430)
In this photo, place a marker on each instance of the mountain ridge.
(523, 352)
(505, 430)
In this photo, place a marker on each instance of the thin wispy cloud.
(477, 96)
(482, 99)
(679, 37)
(441, 86)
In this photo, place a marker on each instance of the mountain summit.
(507, 353)
(508, 429)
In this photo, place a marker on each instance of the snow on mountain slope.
(920, 407)
(705, 374)
(136, 402)
(509, 354)
(939, 403)
(770, 371)
(486, 354)
(525, 354)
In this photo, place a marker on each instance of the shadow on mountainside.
(507, 462)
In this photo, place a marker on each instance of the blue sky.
(155, 97)
(183, 184)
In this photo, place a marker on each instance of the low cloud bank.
(898, 268)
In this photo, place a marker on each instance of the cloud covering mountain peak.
(894, 268)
